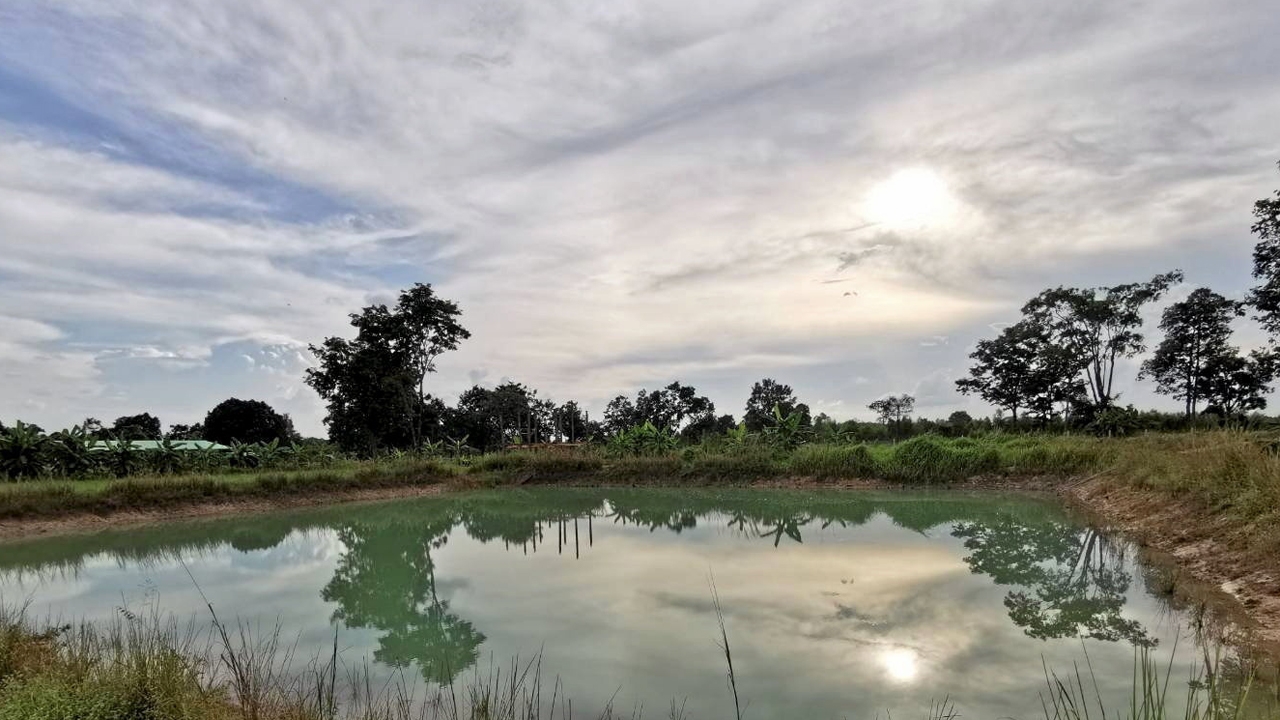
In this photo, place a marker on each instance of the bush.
(748, 464)
(835, 461)
(929, 459)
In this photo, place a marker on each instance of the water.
(836, 604)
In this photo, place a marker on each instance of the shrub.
(747, 464)
(835, 461)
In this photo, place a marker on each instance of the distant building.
(184, 445)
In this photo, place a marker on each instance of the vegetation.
(246, 421)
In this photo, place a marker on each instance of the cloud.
(615, 195)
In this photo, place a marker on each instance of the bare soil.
(1210, 548)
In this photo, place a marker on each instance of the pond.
(836, 604)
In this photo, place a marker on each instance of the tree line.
(1053, 368)
(1058, 361)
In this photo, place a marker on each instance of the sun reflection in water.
(901, 664)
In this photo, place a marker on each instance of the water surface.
(837, 604)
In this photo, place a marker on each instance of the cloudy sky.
(842, 195)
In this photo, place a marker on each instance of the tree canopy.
(246, 421)
(767, 394)
(1097, 327)
(374, 385)
(1022, 370)
(1197, 333)
(1265, 297)
(136, 427)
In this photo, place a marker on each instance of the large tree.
(375, 384)
(1098, 327)
(1265, 298)
(1021, 370)
(511, 411)
(246, 421)
(1236, 384)
(767, 394)
(136, 427)
(674, 408)
(1197, 334)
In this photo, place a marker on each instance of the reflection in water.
(1058, 579)
(386, 580)
(901, 664)
(1072, 581)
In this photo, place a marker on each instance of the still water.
(836, 604)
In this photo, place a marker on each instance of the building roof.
(155, 445)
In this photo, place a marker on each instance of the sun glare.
(910, 199)
(901, 664)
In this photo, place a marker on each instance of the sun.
(900, 664)
(911, 199)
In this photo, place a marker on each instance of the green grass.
(52, 498)
(1231, 472)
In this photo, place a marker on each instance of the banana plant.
(459, 449)
(125, 458)
(269, 454)
(787, 430)
(243, 455)
(69, 453)
(166, 458)
(22, 451)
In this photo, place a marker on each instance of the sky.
(841, 195)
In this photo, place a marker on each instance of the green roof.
(155, 445)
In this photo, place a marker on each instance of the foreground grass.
(148, 668)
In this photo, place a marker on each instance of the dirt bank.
(93, 522)
(1208, 548)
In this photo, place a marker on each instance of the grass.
(52, 498)
(1233, 472)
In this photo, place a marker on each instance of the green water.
(836, 604)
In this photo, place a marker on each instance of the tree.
(767, 394)
(374, 385)
(179, 431)
(505, 414)
(570, 423)
(673, 409)
(620, 415)
(1097, 327)
(1265, 298)
(959, 422)
(894, 410)
(136, 427)
(1235, 385)
(1021, 370)
(247, 421)
(1196, 335)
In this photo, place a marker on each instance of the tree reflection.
(386, 580)
(1072, 582)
